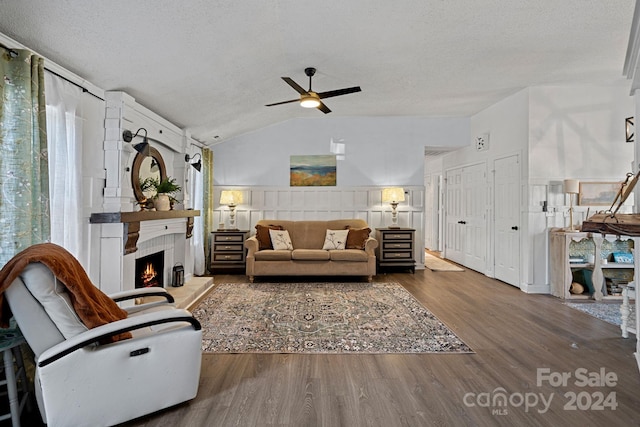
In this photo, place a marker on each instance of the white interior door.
(474, 183)
(507, 220)
(454, 224)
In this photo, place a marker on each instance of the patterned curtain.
(207, 202)
(24, 177)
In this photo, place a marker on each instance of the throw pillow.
(357, 237)
(262, 234)
(335, 239)
(280, 240)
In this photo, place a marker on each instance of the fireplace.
(150, 270)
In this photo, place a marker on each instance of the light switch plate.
(482, 142)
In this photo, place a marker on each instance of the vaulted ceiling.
(211, 66)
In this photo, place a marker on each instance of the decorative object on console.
(393, 196)
(231, 198)
(571, 187)
(196, 165)
(141, 147)
(629, 131)
(598, 193)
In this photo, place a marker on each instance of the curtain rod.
(14, 54)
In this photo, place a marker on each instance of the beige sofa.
(307, 256)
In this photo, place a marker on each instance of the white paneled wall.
(324, 203)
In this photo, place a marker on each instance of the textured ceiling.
(211, 66)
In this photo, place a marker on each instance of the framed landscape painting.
(598, 193)
(306, 171)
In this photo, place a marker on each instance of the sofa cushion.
(357, 255)
(310, 255)
(262, 234)
(280, 240)
(335, 239)
(357, 237)
(272, 255)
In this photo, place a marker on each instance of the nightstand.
(227, 250)
(395, 248)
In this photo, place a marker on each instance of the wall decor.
(598, 193)
(312, 170)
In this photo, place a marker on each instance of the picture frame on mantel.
(598, 193)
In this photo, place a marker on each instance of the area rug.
(609, 312)
(356, 318)
(434, 263)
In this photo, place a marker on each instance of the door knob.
(515, 227)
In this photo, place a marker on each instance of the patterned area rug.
(320, 318)
(609, 312)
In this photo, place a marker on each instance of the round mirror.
(144, 167)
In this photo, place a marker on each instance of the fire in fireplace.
(150, 270)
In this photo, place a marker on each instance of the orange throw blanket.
(93, 307)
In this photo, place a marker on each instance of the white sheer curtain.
(64, 138)
(198, 228)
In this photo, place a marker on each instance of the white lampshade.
(393, 194)
(230, 197)
(571, 186)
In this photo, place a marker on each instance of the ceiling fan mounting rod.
(310, 71)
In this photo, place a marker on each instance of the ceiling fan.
(311, 99)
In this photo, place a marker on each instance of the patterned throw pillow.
(262, 234)
(280, 240)
(357, 237)
(335, 239)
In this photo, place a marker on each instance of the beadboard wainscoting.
(323, 203)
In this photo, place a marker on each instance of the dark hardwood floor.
(514, 336)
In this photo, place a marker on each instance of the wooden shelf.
(127, 217)
(131, 222)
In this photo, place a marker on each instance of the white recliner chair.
(80, 382)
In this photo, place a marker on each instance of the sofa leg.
(250, 279)
(369, 279)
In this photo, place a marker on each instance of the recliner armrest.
(141, 292)
(95, 335)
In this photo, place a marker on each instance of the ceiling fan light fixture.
(310, 100)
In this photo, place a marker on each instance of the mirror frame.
(135, 171)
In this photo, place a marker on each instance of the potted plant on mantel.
(165, 189)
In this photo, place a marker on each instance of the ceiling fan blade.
(339, 92)
(323, 108)
(283, 102)
(294, 85)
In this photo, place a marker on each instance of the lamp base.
(393, 226)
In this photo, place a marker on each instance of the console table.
(622, 225)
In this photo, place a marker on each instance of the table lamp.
(393, 195)
(231, 198)
(571, 187)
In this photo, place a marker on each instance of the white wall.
(561, 132)
(578, 132)
(93, 175)
(379, 150)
